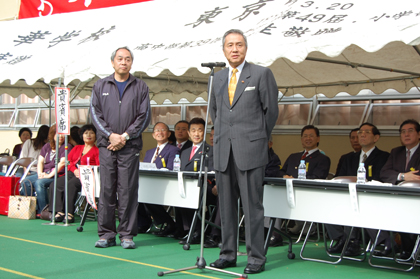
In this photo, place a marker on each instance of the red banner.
(36, 8)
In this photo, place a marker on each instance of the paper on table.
(290, 193)
(353, 197)
(181, 188)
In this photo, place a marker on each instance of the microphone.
(213, 64)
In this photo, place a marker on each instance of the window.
(6, 117)
(197, 111)
(394, 112)
(26, 118)
(347, 113)
(169, 115)
(294, 114)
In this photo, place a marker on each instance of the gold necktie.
(232, 86)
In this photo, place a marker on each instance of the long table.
(392, 208)
(161, 187)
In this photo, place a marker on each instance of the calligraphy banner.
(62, 110)
(39, 8)
(87, 178)
(312, 47)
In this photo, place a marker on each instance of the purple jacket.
(167, 154)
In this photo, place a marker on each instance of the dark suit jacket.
(396, 164)
(188, 165)
(340, 162)
(245, 126)
(318, 168)
(168, 154)
(187, 145)
(274, 165)
(376, 161)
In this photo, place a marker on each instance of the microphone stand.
(201, 262)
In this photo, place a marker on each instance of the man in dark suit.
(403, 165)
(191, 161)
(272, 169)
(244, 109)
(181, 135)
(317, 164)
(163, 156)
(354, 141)
(373, 159)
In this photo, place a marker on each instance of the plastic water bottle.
(177, 163)
(361, 174)
(302, 170)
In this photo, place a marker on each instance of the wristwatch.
(126, 136)
(402, 176)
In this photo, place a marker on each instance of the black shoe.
(178, 234)
(275, 241)
(405, 255)
(168, 230)
(384, 253)
(59, 217)
(254, 268)
(195, 239)
(352, 250)
(222, 264)
(338, 246)
(211, 242)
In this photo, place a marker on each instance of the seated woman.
(32, 147)
(46, 169)
(24, 134)
(87, 154)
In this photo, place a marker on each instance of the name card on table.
(354, 203)
(290, 193)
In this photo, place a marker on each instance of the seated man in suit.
(403, 165)
(163, 156)
(354, 141)
(317, 164)
(191, 161)
(272, 169)
(374, 159)
(181, 135)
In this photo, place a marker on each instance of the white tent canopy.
(311, 46)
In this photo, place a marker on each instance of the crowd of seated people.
(38, 183)
(189, 145)
(81, 154)
(402, 164)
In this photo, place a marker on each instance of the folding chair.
(344, 179)
(412, 261)
(25, 162)
(7, 161)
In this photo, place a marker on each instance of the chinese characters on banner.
(62, 110)
(87, 178)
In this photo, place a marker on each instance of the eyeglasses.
(160, 130)
(367, 132)
(409, 131)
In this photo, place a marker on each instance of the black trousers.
(119, 178)
(73, 188)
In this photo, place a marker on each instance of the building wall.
(284, 145)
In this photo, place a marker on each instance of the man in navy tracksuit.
(120, 112)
